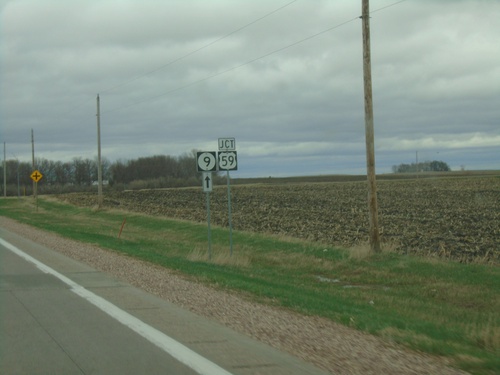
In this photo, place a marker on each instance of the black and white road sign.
(207, 182)
(227, 144)
(206, 161)
(228, 161)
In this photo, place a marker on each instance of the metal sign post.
(206, 162)
(207, 188)
(36, 176)
(230, 221)
(210, 161)
(228, 161)
(209, 231)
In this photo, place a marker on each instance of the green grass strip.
(442, 308)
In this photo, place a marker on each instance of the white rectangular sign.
(207, 182)
(227, 144)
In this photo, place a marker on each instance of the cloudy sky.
(284, 78)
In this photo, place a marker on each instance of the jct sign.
(227, 144)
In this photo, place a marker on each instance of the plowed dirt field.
(456, 218)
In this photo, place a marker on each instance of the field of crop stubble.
(456, 218)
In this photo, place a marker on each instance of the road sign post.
(210, 161)
(36, 176)
(206, 162)
(207, 183)
(209, 231)
(228, 161)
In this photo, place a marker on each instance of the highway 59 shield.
(228, 161)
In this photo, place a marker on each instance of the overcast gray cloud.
(176, 75)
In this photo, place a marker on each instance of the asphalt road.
(59, 316)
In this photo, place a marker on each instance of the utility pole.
(18, 186)
(369, 133)
(4, 170)
(99, 164)
(33, 162)
(416, 161)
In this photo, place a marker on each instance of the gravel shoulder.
(330, 346)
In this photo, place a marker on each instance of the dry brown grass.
(219, 256)
(487, 334)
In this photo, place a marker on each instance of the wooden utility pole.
(33, 167)
(369, 133)
(99, 163)
(4, 170)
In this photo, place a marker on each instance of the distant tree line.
(155, 172)
(160, 171)
(426, 166)
(77, 175)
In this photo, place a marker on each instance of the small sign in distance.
(36, 176)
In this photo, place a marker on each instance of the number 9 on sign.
(206, 161)
(228, 161)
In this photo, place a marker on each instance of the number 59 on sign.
(228, 161)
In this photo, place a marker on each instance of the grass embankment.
(442, 308)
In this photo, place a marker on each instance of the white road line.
(180, 352)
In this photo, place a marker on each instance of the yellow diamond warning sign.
(36, 176)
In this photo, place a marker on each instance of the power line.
(153, 98)
(180, 58)
(387, 6)
(198, 49)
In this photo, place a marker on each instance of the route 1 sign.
(228, 161)
(206, 161)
